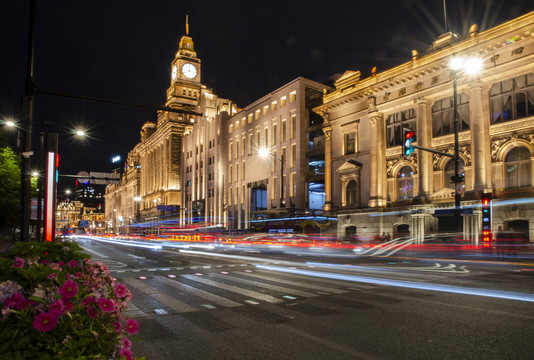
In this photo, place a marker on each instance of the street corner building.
(335, 152)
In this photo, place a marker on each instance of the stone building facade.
(374, 188)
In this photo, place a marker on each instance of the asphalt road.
(207, 304)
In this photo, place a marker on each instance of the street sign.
(100, 178)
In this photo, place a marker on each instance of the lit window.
(273, 106)
(443, 115)
(257, 114)
(405, 183)
(292, 96)
(512, 99)
(517, 168)
(293, 126)
(265, 110)
(293, 184)
(350, 143)
(283, 101)
(351, 193)
(396, 122)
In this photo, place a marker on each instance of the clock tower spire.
(185, 87)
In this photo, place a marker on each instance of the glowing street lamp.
(469, 66)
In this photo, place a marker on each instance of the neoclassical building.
(373, 188)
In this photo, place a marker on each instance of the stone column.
(480, 139)
(377, 159)
(424, 139)
(328, 168)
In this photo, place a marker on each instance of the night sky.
(123, 50)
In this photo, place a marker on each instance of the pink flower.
(72, 264)
(127, 354)
(45, 262)
(60, 263)
(68, 289)
(19, 262)
(91, 311)
(126, 343)
(132, 326)
(68, 305)
(17, 302)
(122, 291)
(57, 307)
(117, 326)
(88, 300)
(51, 276)
(45, 322)
(106, 305)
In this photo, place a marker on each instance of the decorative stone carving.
(496, 145)
(518, 51)
(390, 165)
(386, 95)
(494, 58)
(418, 86)
(328, 133)
(402, 91)
(434, 80)
(371, 104)
(326, 116)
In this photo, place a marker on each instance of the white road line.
(245, 292)
(163, 298)
(268, 286)
(298, 283)
(219, 300)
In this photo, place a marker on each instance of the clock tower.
(185, 88)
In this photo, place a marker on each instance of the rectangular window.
(273, 188)
(229, 174)
(292, 96)
(293, 161)
(258, 139)
(243, 145)
(257, 115)
(293, 126)
(273, 106)
(229, 196)
(266, 137)
(236, 194)
(243, 192)
(265, 110)
(273, 134)
(243, 170)
(350, 143)
(230, 146)
(249, 143)
(283, 131)
(293, 184)
(236, 172)
(283, 101)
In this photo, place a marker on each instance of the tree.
(9, 190)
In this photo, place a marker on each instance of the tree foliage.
(9, 189)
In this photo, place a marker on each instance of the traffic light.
(486, 220)
(408, 136)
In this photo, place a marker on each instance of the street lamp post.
(471, 66)
(264, 152)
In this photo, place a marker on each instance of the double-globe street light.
(469, 66)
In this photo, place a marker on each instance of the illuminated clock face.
(189, 70)
(174, 72)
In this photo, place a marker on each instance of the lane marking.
(163, 298)
(231, 288)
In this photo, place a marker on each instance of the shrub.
(58, 304)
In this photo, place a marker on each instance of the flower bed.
(58, 304)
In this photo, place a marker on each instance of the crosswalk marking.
(163, 298)
(197, 292)
(269, 286)
(295, 283)
(231, 288)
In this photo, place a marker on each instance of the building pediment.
(443, 194)
(349, 77)
(349, 167)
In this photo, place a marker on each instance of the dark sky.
(123, 50)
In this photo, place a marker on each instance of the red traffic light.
(409, 134)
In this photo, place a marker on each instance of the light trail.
(124, 243)
(407, 284)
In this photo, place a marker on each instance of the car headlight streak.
(407, 284)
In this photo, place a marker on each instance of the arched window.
(352, 193)
(517, 168)
(449, 173)
(405, 183)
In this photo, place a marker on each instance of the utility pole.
(27, 119)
